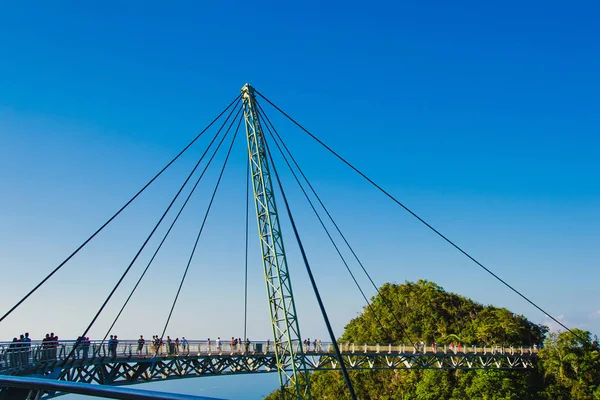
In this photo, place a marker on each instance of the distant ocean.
(236, 387)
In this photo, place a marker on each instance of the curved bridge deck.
(129, 363)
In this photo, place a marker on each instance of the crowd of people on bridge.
(316, 345)
(175, 347)
(19, 350)
(172, 347)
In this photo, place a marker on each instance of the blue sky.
(482, 118)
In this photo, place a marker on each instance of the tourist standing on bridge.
(115, 346)
(208, 345)
(218, 343)
(177, 346)
(155, 343)
(54, 345)
(141, 342)
(77, 346)
(13, 349)
(86, 347)
(184, 346)
(247, 345)
(232, 344)
(170, 347)
(27, 347)
(159, 344)
(27, 344)
(48, 344)
(45, 347)
(112, 346)
(109, 344)
(13, 353)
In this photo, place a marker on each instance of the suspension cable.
(203, 222)
(116, 214)
(385, 299)
(312, 279)
(417, 217)
(139, 251)
(267, 122)
(172, 224)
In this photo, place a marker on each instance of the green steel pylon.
(291, 362)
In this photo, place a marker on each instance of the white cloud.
(589, 322)
(595, 314)
(554, 326)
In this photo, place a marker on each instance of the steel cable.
(265, 119)
(386, 300)
(418, 217)
(138, 252)
(203, 222)
(312, 279)
(116, 214)
(173, 223)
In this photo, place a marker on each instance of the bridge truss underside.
(134, 370)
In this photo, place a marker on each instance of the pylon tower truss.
(284, 321)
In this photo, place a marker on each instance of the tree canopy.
(568, 366)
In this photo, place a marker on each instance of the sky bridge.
(285, 353)
(130, 363)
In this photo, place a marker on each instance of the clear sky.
(482, 118)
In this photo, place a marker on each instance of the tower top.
(247, 88)
(247, 92)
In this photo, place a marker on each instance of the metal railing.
(16, 356)
(40, 386)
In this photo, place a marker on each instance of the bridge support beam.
(286, 330)
(14, 393)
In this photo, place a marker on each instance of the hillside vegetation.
(568, 366)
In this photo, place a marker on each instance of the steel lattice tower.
(291, 362)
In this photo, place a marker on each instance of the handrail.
(88, 389)
(35, 354)
(223, 343)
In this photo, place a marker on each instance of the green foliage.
(495, 385)
(568, 367)
(571, 366)
(424, 311)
